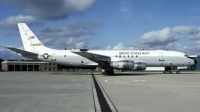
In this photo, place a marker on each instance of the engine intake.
(124, 64)
(140, 66)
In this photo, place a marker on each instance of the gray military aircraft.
(106, 59)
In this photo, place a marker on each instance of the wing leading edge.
(92, 56)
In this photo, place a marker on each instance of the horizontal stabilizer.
(23, 52)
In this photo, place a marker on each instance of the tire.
(111, 73)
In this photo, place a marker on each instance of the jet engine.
(140, 66)
(123, 64)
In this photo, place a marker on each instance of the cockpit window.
(186, 55)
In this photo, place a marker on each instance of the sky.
(103, 24)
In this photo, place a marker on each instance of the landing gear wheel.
(178, 72)
(108, 73)
(111, 73)
(105, 73)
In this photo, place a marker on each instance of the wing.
(23, 53)
(92, 56)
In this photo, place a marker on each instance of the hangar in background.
(197, 58)
(28, 66)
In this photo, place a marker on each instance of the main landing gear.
(168, 70)
(107, 71)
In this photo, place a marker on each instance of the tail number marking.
(38, 44)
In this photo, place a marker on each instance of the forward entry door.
(53, 57)
(161, 57)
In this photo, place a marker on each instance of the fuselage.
(154, 58)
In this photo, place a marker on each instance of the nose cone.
(189, 62)
(192, 62)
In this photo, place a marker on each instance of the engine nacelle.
(123, 64)
(140, 66)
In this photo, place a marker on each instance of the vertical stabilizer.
(29, 40)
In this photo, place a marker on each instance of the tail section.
(29, 40)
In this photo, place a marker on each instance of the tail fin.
(29, 40)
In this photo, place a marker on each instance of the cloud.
(191, 49)
(54, 34)
(167, 35)
(125, 9)
(108, 47)
(11, 22)
(53, 9)
(149, 15)
(77, 43)
(13, 33)
(179, 38)
(194, 9)
(119, 46)
(74, 43)
(71, 29)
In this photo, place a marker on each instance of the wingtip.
(8, 47)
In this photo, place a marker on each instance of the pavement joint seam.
(102, 101)
(110, 103)
(95, 98)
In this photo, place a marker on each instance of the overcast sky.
(103, 24)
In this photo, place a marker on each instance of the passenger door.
(161, 57)
(53, 57)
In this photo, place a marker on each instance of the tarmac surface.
(76, 92)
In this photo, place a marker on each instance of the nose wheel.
(170, 72)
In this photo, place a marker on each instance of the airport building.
(197, 58)
(28, 66)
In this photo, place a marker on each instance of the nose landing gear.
(168, 70)
(178, 72)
